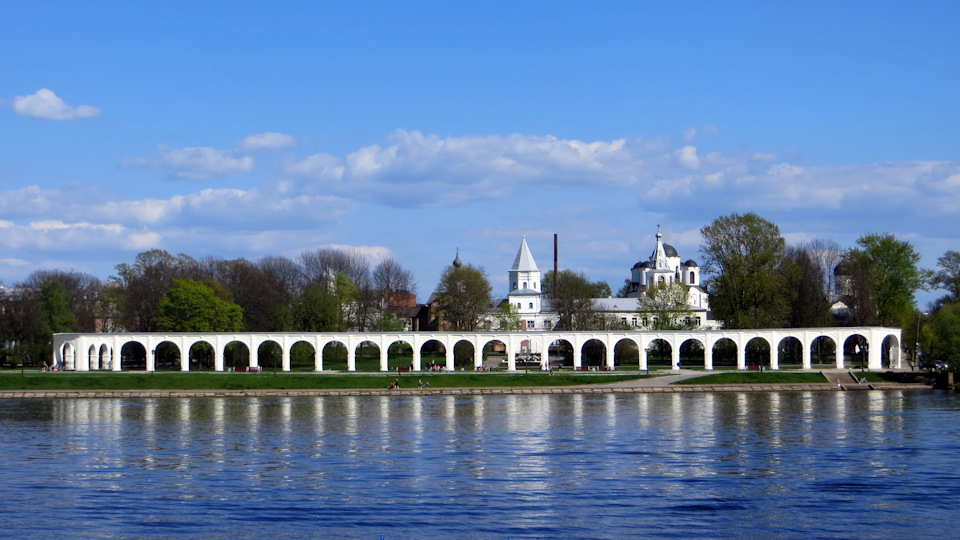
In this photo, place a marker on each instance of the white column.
(708, 355)
(741, 355)
(384, 357)
(285, 359)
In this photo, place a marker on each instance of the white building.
(663, 266)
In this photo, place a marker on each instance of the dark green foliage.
(884, 275)
(463, 297)
(190, 306)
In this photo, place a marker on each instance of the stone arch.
(855, 351)
(660, 354)
(92, 360)
(167, 356)
(560, 353)
(593, 353)
(236, 354)
(890, 353)
(692, 354)
(68, 357)
(303, 357)
(334, 355)
(433, 355)
(201, 355)
(790, 353)
(105, 357)
(464, 354)
(270, 355)
(724, 352)
(823, 351)
(494, 354)
(758, 352)
(133, 355)
(367, 354)
(399, 354)
(626, 352)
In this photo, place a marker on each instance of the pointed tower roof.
(524, 261)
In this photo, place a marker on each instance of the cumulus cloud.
(45, 104)
(266, 141)
(194, 163)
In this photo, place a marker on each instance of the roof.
(524, 261)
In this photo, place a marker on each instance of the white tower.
(524, 279)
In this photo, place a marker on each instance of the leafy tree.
(507, 316)
(316, 309)
(191, 306)
(573, 300)
(666, 305)
(83, 293)
(885, 271)
(945, 326)
(463, 297)
(744, 254)
(948, 277)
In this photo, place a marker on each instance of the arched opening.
(167, 357)
(433, 356)
(692, 354)
(560, 354)
(92, 363)
(201, 356)
(757, 353)
(399, 354)
(67, 353)
(593, 354)
(270, 355)
(725, 354)
(368, 356)
(236, 354)
(855, 352)
(495, 355)
(105, 358)
(890, 354)
(823, 353)
(660, 355)
(133, 355)
(790, 353)
(626, 354)
(334, 356)
(303, 357)
(463, 354)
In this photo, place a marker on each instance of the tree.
(573, 300)
(191, 306)
(507, 316)
(666, 304)
(804, 286)
(389, 277)
(463, 297)
(142, 284)
(316, 309)
(83, 294)
(948, 277)
(885, 270)
(744, 254)
(945, 326)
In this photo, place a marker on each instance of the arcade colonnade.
(85, 352)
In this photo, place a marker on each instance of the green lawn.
(12, 380)
(770, 377)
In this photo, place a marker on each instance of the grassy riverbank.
(754, 377)
(13, 380)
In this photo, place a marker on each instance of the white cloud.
(45, 104)
(269, 140)
(194, 163)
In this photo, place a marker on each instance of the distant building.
(664, 266)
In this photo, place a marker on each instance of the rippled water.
(791, 464)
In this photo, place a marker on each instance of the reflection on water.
(595, 466)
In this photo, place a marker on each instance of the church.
(663, 267)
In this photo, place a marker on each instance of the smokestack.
(554, 264)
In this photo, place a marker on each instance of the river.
(708, 465)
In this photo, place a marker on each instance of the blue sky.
(238, 129)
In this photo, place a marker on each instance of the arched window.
(691, 278)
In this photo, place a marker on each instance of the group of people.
(395, 385)
(54, 367)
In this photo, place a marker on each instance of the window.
(524, 284)
(531, 305)
(531, 324)
(691, 278)
(518, 305)
(634, 322)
